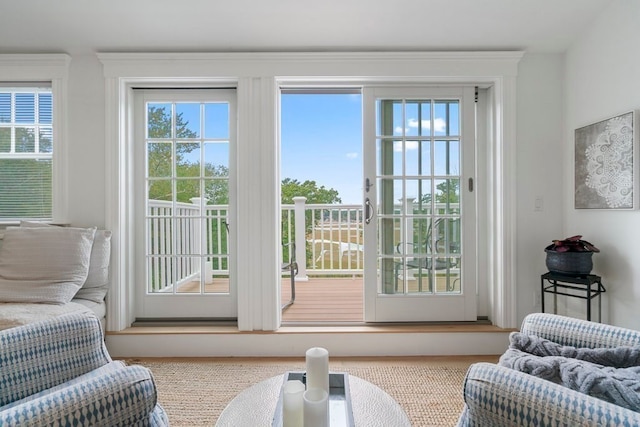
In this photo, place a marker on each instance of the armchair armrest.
(125, 397)
(578, 333)
(42, 355)
(499, 396)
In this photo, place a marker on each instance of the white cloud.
(352, 155)
(440, 124)
(410, 145)
(413, 123)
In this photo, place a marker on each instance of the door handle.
(368, 211)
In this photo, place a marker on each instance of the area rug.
(195, 391)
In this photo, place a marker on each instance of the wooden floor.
(326, 299)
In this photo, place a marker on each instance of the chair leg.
(451, 286)
(293, 272)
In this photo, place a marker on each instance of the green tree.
(448, 191)
(216, 190)
(448, 194)
(315, 194)
(160, 124)
(160, 156)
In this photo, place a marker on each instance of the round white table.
(256, 405)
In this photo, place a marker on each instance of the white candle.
(317, 363)
(292, 404)
(316, 408)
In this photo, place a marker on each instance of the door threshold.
(183, 322)
(480, 321)
(358, 328)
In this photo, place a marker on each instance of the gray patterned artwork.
(604, 174)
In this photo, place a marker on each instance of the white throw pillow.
(96, 286)
(46, 265)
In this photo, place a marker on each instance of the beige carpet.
(195, 391)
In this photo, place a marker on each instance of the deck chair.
(292, 267)
(425, 259)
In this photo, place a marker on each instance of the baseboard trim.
(379, 340)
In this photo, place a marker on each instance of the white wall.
(87, 142)
(602, 79)
(539, 166)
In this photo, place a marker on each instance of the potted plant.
(570, 256)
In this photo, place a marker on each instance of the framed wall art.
(605, 161)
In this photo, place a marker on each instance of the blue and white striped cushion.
(109, 367)
(124, 397)
(499, 396)
(45, 354)
(578, 333)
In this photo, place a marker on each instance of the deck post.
(301, 244)
(198, 241)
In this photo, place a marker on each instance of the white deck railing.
(176, 231)
(329, 240)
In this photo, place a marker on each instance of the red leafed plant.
(572, 244)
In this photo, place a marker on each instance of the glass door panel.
(418, 222)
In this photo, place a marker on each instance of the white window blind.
(26, 152)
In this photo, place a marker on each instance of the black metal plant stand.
(585, 286)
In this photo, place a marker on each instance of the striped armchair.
(58, 372)
(498, 396)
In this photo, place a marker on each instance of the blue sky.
(321, 137)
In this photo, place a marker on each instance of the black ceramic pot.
(577, 263)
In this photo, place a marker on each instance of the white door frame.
(158, 305)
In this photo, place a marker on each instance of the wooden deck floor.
(326, 299)
(317, 300)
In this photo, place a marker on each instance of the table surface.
(256, 405)
(569, 278)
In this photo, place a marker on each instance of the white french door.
(184, 151)
(420, 208)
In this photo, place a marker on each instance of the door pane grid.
(187, 192)
(419, 186)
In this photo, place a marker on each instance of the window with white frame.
(26, 152)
